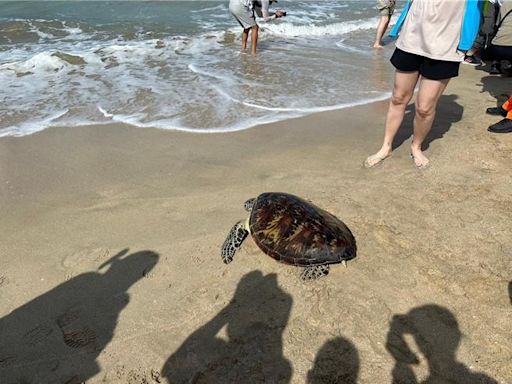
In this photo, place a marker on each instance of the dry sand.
(427, 296)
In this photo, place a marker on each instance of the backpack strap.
(502, 20)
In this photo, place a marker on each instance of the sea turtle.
(293, 231)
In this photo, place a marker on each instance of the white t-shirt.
(432, 29)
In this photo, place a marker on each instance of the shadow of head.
(57, 336)
(258, 301)
(448, 112)
(436, 333)
(434, 329)
(336, 362)
(123, 271)
(251, 350)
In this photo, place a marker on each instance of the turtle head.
(249, 204)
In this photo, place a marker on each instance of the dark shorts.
(429, 68)
(498, 52)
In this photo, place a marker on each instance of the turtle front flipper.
(249, 204)
(315, 272)
(234, 241)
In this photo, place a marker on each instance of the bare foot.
(377, 158)
(376, 45)
(420, 160)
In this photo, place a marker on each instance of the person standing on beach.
(243, 11)
(434, 36)
(386, 9)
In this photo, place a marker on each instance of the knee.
(424, 111)
(398, 98)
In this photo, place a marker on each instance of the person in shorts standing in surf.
(243, 11)
(386, 9)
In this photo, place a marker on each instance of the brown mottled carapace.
(296, 232)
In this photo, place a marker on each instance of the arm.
(267, 16)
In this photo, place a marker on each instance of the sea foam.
(195, 80)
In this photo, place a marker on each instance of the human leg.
(245, 17)
(254, 38)
(245, 36)
(381, 29)
(426, 102)
(403, 90)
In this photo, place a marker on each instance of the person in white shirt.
(243, 11)
(429, 50)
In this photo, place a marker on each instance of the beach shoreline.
(438, 240)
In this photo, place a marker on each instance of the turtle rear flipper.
(233, 242)
(315, 272)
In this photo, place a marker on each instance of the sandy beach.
(110, 268)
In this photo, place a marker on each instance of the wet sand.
(110, 252)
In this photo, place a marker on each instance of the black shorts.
(498, 52)
(429, 68)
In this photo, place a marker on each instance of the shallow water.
(177, 64)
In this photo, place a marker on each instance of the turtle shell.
(296, 232)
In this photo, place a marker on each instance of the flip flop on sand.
(374, 160)
(421, 166)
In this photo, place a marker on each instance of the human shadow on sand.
(498, 87)
(57, 337)
(337, 362)
(251, 350)
(448, 112)
(436, 333)
(510, 291)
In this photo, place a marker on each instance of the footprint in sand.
(74, 334)
(487, 167)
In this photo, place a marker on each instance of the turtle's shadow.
(57, 337)
(437, 336)
(448, 112)
(252, 348)
(336, 362)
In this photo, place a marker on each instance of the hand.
(280, 13)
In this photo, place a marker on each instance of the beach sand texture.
(110, 268)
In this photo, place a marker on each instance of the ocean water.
(177, 64)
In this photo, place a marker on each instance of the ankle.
(416, 148)
(385, 149)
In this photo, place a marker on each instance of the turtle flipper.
(233, 242)
(315, 272)
(249, 204)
